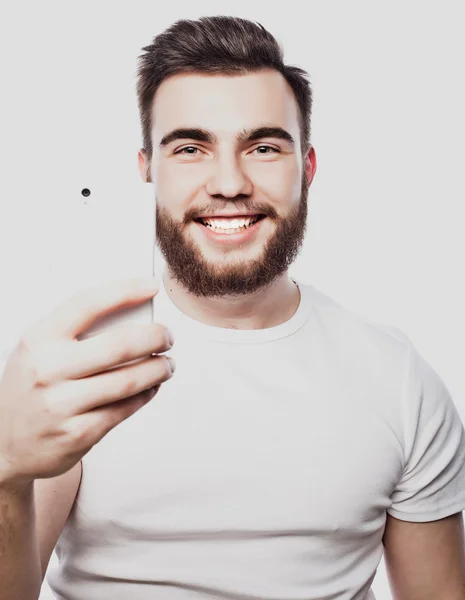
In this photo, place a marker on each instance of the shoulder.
(350, 328)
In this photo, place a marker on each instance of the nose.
(228, 179)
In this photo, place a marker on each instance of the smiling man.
(297, 440)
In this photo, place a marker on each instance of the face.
(220, 166)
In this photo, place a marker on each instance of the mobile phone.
(85, 232)
(116, 226)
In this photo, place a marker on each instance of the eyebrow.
(246, 135)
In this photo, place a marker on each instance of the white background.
(385, 226)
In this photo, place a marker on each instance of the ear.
(310, 164)
(144, 166)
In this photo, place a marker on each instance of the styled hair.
(219, 44)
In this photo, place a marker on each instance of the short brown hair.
(219, 44)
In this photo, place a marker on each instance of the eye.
(181, 151)
(196, 150)
(267, 148)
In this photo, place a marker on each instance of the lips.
(255, 218)
(226, 238)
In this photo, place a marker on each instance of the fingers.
(85, 307)
(118, 345)
(70, 398)
(89, 428)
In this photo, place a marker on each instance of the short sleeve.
(432, 485)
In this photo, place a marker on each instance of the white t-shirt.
(265, 467)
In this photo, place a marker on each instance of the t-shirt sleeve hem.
(433, 515)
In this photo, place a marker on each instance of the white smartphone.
(114, 238)
(88, 232)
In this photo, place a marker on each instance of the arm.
(19, 548)
(31, 520)
(425, 561)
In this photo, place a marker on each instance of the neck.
(268, 307)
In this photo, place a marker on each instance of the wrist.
(11, 482)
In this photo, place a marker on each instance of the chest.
(243, 454)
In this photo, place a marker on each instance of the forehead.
(224, 103)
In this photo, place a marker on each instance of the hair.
(220, 44)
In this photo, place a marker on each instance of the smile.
(230, 229)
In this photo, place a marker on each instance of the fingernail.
(170, 336)
(172, 363)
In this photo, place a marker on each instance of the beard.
(204, 278)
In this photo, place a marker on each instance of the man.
(295, 443)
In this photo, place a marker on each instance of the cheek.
(281, 183)
(177, 186)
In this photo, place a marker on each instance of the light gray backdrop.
(385, 230)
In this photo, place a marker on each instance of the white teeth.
(226, 231)
(228, 223)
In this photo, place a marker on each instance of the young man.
(295, 442)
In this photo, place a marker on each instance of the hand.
(59, 396)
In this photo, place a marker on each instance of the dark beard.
(199, 277)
